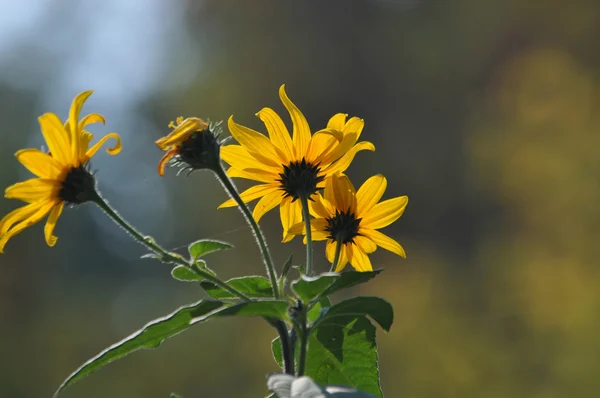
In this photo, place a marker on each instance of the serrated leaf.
(184, 274)
(351, 278)
(343, 351)
(374, 307)
(268, 309)
(308, 288)
(150, 336)
(203, 247)
(251, 286)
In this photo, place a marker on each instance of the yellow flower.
(352, 218)
(290, 167)
(176, 142)
(62, 173)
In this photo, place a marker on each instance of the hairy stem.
(306, 217)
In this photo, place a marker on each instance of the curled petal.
(111, 151)
(183, 130)
(27, 218)
(91, 119)
(74, 131)
(51, 223)
(165, 159)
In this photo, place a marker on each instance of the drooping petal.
(268, 202)
(33, 190)
(42, 209)
(74, 131)
(384, 213)
(301, 133)
(51, 223)
(278, 133)
(17, 215)
(370, 193)
(384, 241)
(344, 162)
(257, 145)
(291, 214)
(56, 137)
(365, 243)
(165, 159)
(111, 151)
(183, 130)
(237, 156)
(337, 121)
(252, 193)
(91, 119)
(359, 259)
(39, 163)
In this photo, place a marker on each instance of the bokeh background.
(484, 112)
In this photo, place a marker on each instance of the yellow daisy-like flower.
(290, 166)
(181, 142)
(352, 218)
(62, 176)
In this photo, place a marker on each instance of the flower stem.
(306, 217)
(336, 257)
(260, 238)
(165, 255)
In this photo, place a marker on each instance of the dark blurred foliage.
(483, 112)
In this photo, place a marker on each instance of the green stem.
(157, 249)
(306, 217)
(336, 257)
(260, 238)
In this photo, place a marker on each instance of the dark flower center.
(79, 186)
(201, 150)
(299, 179)
(343, 226)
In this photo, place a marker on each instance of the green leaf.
(308, 288)
(268, 309)
(351, 278)
(184, 274)
(375, 307)
(313, 313)
(343, 351)
(150, 336)
(203, 247)
(251, 286)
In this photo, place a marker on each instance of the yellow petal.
(290, 213)
(384, 241)
(183, 130)
(56, 137)
(340, 150)
(237, 156)
(359, 259)
(33, 190)
(370, 193)
(165, 159)
(317, 227)
(250, 174)
(344, 162)
(341, 193)
(354, 126)
(384, 213)
(365, 243)
(85, 138)
(301, 132)
(318, 208)
(91, 119)
(74, 112)
(32, 218)
(39, 163)
(268, 202)
(17, 215)
(250, 194)
(337, 121)
(51, 223)
(111, 151)
(330, 248)
(321, 144)
(280, 137)
(255, 143)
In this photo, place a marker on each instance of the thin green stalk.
(306, 217)
(260, 238)
(156, 248)
(336, 257)
(303, 332)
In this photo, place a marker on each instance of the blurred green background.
(485, 113)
